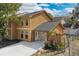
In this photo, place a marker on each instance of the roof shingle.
(47, 26)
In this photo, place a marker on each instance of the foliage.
(72, 21)
(7, 13)
(52, 46)
(61, 45)
(49, 45)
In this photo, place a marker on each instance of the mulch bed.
(7, 42)
(43, 52)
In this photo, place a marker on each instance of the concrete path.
(21, 49)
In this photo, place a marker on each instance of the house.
(72, 33)
(34, 26)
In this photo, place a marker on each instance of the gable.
(59, 29)
(38, 20)
(43, 13)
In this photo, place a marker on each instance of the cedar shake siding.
(14, 30)
(36, 21)
(52, 28)
(57, 33)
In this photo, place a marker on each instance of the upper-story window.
(26, 22)
(21, 22)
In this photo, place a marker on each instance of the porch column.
(29, 36)
(46, 36)
(33, 35)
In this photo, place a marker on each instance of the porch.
(41, 36)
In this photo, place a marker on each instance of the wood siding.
(37, 20)
(33, 22)
(57, 33)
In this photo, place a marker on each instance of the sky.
(56, 9)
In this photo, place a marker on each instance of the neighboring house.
(34, 26)
(73, 33)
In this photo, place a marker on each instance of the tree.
(73, 18)
(72, 21)
(7, 13)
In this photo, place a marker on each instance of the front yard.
(74, 51)
(43, 52)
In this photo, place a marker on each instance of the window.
(26, 35)
(21, 23)
(26, 22)
(22, 34)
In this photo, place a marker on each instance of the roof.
(72, 32)
(26, 13)
(35, 13)
(47, 26)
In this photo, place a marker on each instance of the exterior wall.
(33, 22)
(24, 33)
(58, 30)
(23, 18)
(41, 35)
(37, 20)
(13, 30)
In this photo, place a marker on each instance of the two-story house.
(34, 26)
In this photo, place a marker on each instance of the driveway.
(22, 48)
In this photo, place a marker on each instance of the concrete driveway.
(21, 49)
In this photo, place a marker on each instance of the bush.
(50, 46)
(61, 45)
(47, 45)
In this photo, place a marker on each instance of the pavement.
(22, 48)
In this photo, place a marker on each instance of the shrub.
(61, 45)
(47, 45)
(50, 46)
